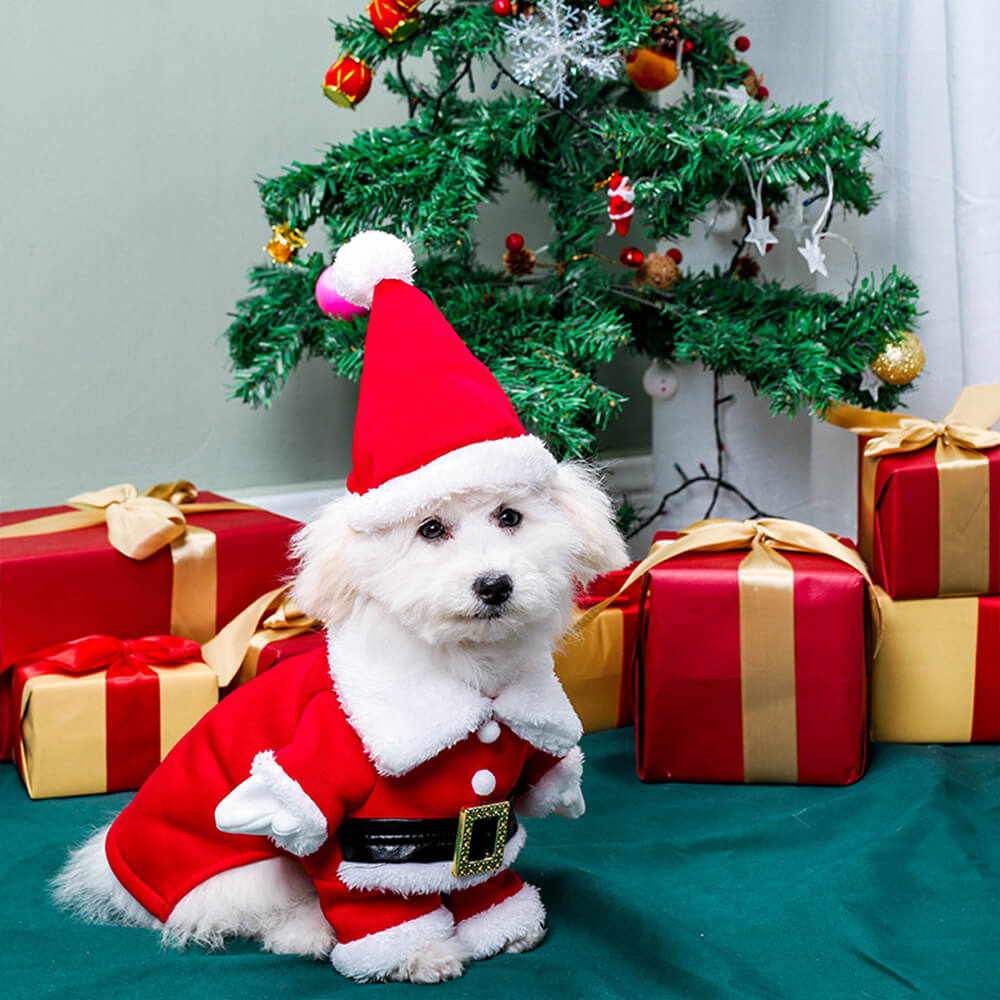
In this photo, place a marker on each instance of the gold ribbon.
(233, 653)
(963, 478)
(767, 626)
(140, 524)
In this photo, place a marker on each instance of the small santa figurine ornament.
(620, 198)
(360, 803)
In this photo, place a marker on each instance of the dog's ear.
(601, 547)
(322, 586)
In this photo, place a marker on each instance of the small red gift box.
(929, 497)
(98, 714)
(753, 667)
(195, 560)
(595, 664)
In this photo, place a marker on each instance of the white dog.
(373, 820)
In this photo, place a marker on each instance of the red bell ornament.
(347, 82)
(395, 20)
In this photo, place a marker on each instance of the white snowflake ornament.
(555, 42)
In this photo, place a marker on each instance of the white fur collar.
(407, 706)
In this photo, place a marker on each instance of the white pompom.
(365, 260)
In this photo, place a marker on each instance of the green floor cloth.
(886, 889)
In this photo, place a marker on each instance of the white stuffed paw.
(571, 804)
(433, 962)
(251, 807)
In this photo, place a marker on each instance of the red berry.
(631, 55)
(688, 45)
(501, 8)
(515, 241)
(742, 43)
(675, 255)
(605, 3)
(631, 257)
(763, 93)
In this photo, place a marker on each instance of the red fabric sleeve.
(328, 760)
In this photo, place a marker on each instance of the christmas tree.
(564, 93)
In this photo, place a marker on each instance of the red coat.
(166, 842)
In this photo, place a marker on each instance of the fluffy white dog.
(372, 820)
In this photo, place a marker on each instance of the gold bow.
(963, 477)
(763, 537)
(237, 646)
(139, 524)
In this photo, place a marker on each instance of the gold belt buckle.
(463, 863)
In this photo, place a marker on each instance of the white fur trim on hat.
(377, 956)
(504, 463)
(368, 258)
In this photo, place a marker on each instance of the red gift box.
(595, 664)
(66, 583)
(752, 673)
(929, 497)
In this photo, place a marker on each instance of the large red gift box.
(929, 497)
(754, 673)
(58, 585)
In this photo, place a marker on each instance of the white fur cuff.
(518, 917)
(559, 786)
(378, 956)
(312, 832)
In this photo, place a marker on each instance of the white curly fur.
(365, 260)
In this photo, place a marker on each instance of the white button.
(489, 731)
(483, 782)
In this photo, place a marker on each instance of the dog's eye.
(509, 518)
(432, 530)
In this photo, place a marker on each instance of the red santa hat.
(432, 421)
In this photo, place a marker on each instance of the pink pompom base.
(331, 301)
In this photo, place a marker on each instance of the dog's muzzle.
(474, 842)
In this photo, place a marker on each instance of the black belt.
(474, 842)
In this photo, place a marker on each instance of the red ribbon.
(132, 693)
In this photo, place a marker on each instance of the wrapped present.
(754, 656)
(929, 496)
(936, 678)
(266, 632)
(98, 714)
(595, 663)
(171, 560)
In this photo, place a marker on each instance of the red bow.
(120, 657)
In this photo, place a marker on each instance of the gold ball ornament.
(900, 363)
(285, 243)
(650, 70)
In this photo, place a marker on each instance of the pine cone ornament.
(519, 262)
(657, 270)
(745, 267)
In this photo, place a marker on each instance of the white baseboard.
(630, 476)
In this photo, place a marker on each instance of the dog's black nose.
(493, 588)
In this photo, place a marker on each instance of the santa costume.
(399, 784)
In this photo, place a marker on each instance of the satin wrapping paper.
(84, 731)
(929, 496)
(936, 678)
(55, 587)
(596, 664)
(763, 684)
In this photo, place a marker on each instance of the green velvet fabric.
(886, 889)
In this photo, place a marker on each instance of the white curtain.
(923, 72)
